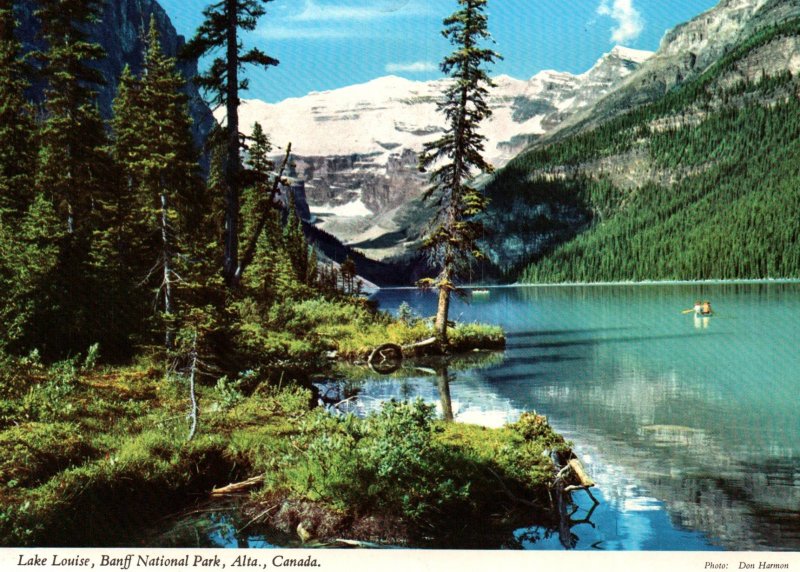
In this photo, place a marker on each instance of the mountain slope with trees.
(700, 184)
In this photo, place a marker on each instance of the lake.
(688, 425)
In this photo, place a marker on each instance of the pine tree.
(17, 151)
(17, 156)
(123, 247)
(295, 241)
(73, 174)
(457, 155)
(72, 162)
(312, 270)
(221, 30)
(153, 146)
(348, 270)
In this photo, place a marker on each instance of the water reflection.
(443, 383)
(701, 322)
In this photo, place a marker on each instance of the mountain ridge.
(684, 53)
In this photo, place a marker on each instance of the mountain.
(121, 31)
(356, 147)
(688, 170)
(687, 51)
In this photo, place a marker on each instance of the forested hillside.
(701, 184)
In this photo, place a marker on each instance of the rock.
(304, 533)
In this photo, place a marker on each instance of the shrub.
(390, 462)
(228, 393)
(49, 401)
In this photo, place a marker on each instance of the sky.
(327, 44)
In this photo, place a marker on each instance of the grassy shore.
(301, 331)
(93, 455)
(114, 454)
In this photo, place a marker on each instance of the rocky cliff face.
(356, 147)
(121, 31)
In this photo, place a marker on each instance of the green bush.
(49, 401)
(391, 462)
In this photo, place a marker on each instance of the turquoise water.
(689, 426)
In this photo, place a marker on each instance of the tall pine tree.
(72, 162)
(457, 156)
(17, 154)
(153, 146)
(73, 174)
(221, 30)
(16, 124)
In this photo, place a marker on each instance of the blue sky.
(326, 44)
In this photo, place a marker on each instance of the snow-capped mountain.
(392, 113)
(356, 147)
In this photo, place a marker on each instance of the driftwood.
(584, 481)
(237, 488)
(387, 358)
(427, 370)
(571, 476)
(347, 543)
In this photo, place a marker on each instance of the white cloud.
(414, 67)
(301, 33)
(629, 20)
(358, 10)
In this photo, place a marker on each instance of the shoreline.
(714, 281)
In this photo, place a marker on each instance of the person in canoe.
(701, 308)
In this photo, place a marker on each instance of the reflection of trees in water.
(708, 480)
(443, 381)
(343, 389)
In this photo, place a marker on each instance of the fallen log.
(426, 370)
(238, 488)
(422, 344)
(570, 470)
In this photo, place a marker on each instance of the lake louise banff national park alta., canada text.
(448, 283)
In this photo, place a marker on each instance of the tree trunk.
(440, 326)
(167, 256)
(192, 396)
(231, 255)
